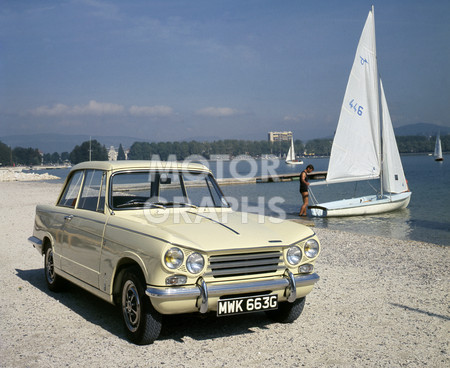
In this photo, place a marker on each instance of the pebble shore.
(11, 174)
(380, 303)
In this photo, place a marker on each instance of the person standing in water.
(304, 188)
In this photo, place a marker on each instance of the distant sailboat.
(438, 149)
(291, 157)
(364, 146)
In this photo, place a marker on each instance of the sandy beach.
(380, 303)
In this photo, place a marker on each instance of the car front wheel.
(54, 282)
(287, 312)
(142, 322)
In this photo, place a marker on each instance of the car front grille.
(244, 264)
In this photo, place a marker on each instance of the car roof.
(139, 164)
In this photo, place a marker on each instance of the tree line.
(315, 147)
(20, 156)
(233, 147)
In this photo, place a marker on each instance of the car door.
(83, 228)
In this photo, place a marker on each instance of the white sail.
(438, 147)
(356, 151)
(355, 154)
(394, 180)
(291, 153)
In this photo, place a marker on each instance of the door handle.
(68, 218)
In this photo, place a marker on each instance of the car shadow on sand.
(209, 326)
(175, 327)
(88, 306)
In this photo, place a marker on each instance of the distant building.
(112, 154)
(279, 136)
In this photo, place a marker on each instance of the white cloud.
(56, 110)
(98, 108)
(151, 110)
(92, 108)
(217, 112)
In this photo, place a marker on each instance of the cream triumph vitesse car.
(159, 238)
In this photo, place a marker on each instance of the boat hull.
(289, 162)
(369, 205)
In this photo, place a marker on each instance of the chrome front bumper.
(288, 282)
(37, 243)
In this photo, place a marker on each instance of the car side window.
(93, 194)
(70, 195)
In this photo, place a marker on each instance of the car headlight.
(195, 263)
(294, 255)
(311, 248)
(173, 258)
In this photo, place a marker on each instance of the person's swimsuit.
(303, 187)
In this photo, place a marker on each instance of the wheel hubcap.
(50, 267)
(131, 306)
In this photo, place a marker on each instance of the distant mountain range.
(49, 143)
(425, 129)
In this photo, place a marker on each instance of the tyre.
(141, 321)
(54, 282)
(287, 312)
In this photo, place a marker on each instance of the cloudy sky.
(165, 70)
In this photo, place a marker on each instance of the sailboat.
(290, 157)
(438, 149)
(364, 146)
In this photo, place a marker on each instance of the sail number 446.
(356, 107)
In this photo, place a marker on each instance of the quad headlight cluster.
(294, 254)
(174, 258)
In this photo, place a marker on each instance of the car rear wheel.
(54, 282)
(287, 312)
(141, 321)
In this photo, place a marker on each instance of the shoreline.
(16, 174)
(380, 302)
(18, 177)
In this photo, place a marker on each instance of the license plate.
(226, 307)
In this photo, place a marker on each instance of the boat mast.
(377, 89)
(90, 149)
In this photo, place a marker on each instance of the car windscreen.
(164, 189)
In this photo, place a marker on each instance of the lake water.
(426, 219)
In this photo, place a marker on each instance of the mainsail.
(355, 154)
(291, 153)
(438, 147)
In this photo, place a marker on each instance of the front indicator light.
(294, 255)
(176, 280)
(306, 268)
(311, 248)
(195, 263)
(173, 258)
